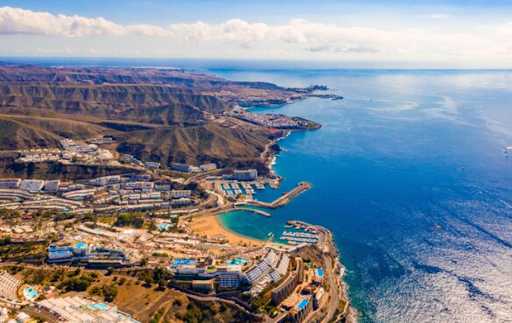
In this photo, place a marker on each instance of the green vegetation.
(5, 241)
(22, 250)
(77, 284)
(134, 220)
(198, 312)
(109, 292)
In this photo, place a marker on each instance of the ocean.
(410, 172)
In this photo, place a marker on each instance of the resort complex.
(147, 222)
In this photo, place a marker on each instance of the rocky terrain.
(161, 115)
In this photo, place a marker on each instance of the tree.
(162, 284)
(110, 292)
(144, 262)
(133, 219)
(149, 281)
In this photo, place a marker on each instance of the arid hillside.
(162, 115)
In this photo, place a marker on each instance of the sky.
(428, 34)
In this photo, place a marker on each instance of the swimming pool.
(183, 262)
(302, 304)
(92, 307)
(30, 293)
(102, 306)
(162, 227)
(319, 272)
(237, 261)
(80, 245)
(59, 251)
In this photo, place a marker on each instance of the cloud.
(296, 36)
(438, 16)
(21, 21)
(343, 49)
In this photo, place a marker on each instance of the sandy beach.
(211, 226)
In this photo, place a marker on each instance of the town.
(277, 121)
(132, 225)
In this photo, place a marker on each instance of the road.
(37, 312)
(201, 175)
(334, 292)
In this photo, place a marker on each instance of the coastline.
(349, 314)
(211, 225)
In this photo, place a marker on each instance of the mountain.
(107, 75)
(163, 115)
(148, 104)
(194, 144)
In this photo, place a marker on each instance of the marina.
(299, 237)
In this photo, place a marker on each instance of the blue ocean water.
(404, 152)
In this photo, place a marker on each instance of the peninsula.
(111, 183)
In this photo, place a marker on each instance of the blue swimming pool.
(80, 245)
(92, 307)
(183, 262)
(59, 251)
(162, 227)
(302, 304)
(102, 306)
(30, 293)
(319, 272)
(237, 261)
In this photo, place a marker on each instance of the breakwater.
(285, 198)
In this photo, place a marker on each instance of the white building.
(78, 309)
(31, 185)
(181, 167)
(22, 317)
(181, 201)
(180, 193)
(8, 286)
(52, 186)
(80, 194)
(208, 167)
(245, 175)
(152, 165)
(138, 185)
(10, 182)
(229, 281)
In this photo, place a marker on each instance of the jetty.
(252, 210)
(285, 198)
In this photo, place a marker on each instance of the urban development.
(145, 244)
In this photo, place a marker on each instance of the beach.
(210, 225)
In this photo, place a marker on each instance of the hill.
(162, 115)
(150, 104)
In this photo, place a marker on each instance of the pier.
(285, 198)
(252, 210)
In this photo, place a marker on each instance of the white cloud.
(21, 21)
(438, 16)
(297, 36)
(343, 49)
